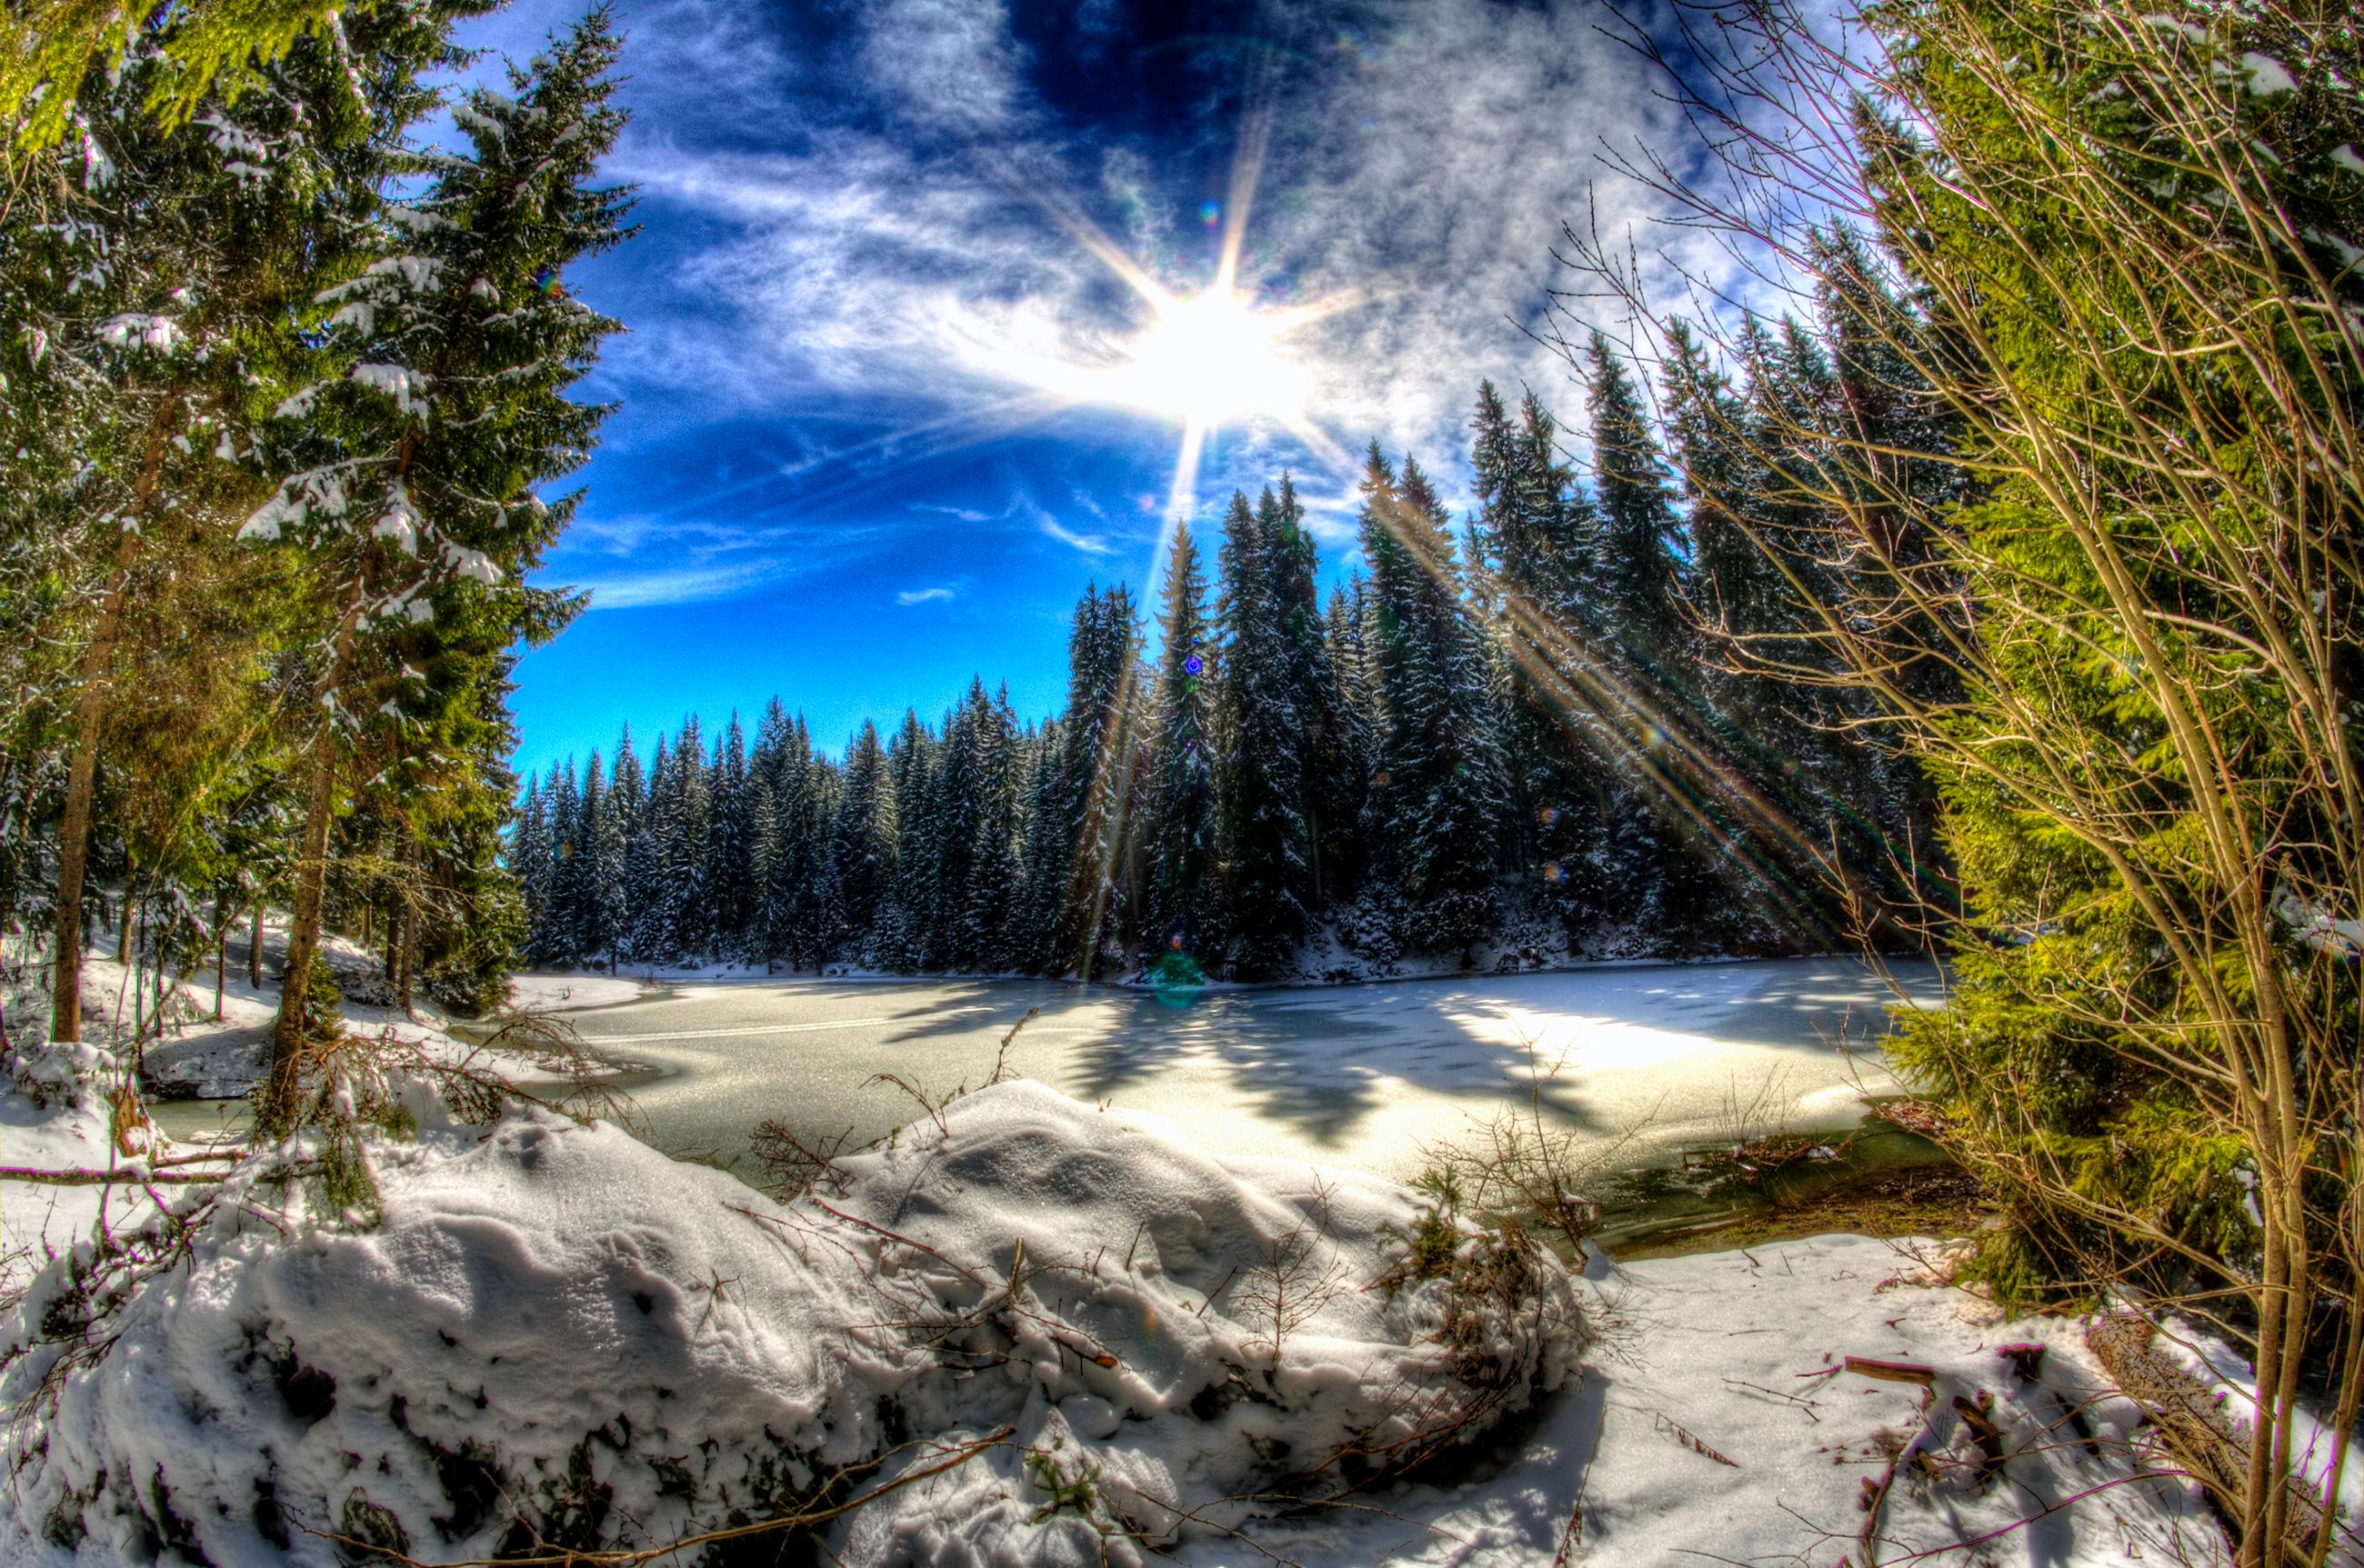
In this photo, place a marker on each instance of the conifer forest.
(1793, 576)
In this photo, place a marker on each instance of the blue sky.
(899, 381)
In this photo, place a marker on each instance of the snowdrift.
(1027, 1332)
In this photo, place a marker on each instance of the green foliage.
(1065, 1493)
(50, 48)
(1432, 1248)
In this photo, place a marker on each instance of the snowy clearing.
(553, 992)
(1116, 1336)
(1716, 1422)
(1027, 1332)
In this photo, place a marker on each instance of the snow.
(54, 1115)
(1064, 1327)
(552, 993)
(1717, 1423)
(160, 333)
(407, 388)
(2268, 77)
(630, 1348)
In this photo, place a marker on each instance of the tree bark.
(275, 1112)
(254, 949)
(405, 939)
(82, 772)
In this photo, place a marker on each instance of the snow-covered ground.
(569, 993)
(1717, 1423)
(1118, 1340)
(199, 1056)
(1030, 1332)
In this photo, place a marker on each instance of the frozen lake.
(1360, 1076)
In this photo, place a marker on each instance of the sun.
(1213, 358)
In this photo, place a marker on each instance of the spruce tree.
(860, 862)
(687, 897)
(1539, 532)
(626, 808)
(529, 857)
(1265, 849)
(157, 286)
(1644, 862)
(903, 937)
(564, 895)
(730, 845)
(1080, 812)
(409, 477)
(647, 876)
(1440, 785)
(598, 847)
(1182, 808)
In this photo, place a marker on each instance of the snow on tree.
(408, 474)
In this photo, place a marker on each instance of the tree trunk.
(402, 929)
(82, 772)
(276, 1113)
(254, 949)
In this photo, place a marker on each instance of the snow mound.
(65, 1075)
(1027, 1330)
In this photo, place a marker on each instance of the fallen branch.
(2192, 1419)
(1891, 1372)
(128, 1176)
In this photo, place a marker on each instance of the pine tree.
(860, 864)
(1441, 780)
(1182, 809)
(1266, 848)
(408, 478)
(730, 848)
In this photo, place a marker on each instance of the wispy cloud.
(685, 586)
(1049, 526)
(1090, 544)
(925, 596)
(1425, 163)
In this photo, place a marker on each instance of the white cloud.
(925, 596)
(1428, 168)
(691, 584)
(945, 64)
(1090, 544)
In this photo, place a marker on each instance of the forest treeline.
(2041, 525)
(1520, 739)
(282, 379)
